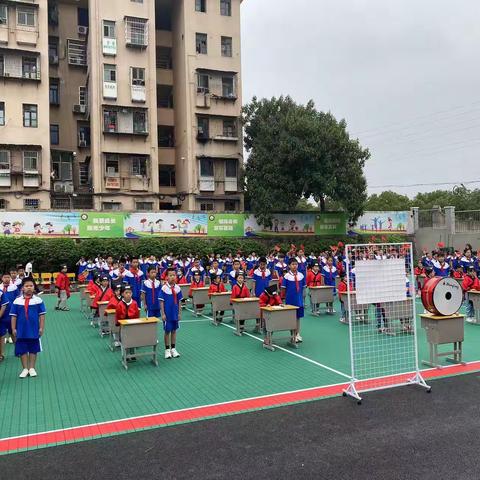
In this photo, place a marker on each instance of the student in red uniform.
(94, 284)
(269, 298)
(127, 308)
(240, 290)
(197, 282)
(181, 278)
(419, 271)
(458, 273)
(470, 282)
(314, 279)
(117, 296)
(104, 293)
(342, 296)
(62, 287)
(217, 286)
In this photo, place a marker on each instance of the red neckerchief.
(174, 293)
(297, 283)
(263, 274)
(153, 291)
(26, 304)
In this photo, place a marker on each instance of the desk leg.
(238, 330)
(433, 357)
(124, 357)
(155, 361)
(268, 342)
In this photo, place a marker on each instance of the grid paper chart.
(381, 280)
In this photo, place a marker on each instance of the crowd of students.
(153, 284)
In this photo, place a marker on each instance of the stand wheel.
(344, 394)
(429, 390)
(359, 402)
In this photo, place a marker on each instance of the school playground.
(82, 391)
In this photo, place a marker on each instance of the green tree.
(387, 201)
(303, 205)
(298, 152)
(460, 197)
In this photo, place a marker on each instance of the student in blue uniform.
(294, 283)
(151, 293)
(28, 323)
(441, 267)
(134, 278)
(329, 273)
(171, 310)
(261, 277)
(9, 292)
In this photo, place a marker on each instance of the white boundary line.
(283, 349)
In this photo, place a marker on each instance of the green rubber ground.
(80, 381)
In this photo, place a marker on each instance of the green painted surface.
(82, 382)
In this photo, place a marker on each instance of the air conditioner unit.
(111, 172)
(68, 188)
(79, 108)
(82, 30)
(53, 59)
(58, 188)
(82, 143)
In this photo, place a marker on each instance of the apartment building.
(120, 105)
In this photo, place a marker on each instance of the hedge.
(47, 254)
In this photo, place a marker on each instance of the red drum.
(442, 296)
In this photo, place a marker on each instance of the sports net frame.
(381, 313)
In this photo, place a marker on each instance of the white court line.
(283, 349)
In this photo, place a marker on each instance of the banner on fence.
(384, 222)
(165, 224)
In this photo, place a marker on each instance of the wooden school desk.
(200, 297)
(279, 319)
(442, 330)
(185, 288)
(112, 327)
(90, 299)
(474, 297)
(102, 319)
(359, 312)
(246, 309)
(138, 333)
(83, 297)
(250, 283)
(319, 295)
(220, 303)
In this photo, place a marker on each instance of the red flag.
(440, 245)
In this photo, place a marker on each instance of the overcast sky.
(405, 74)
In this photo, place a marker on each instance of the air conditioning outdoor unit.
(82, 143)
(82, 30)
(111, 172)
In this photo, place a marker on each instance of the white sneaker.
(168, 354)
(24, 373)
(116, 344)
(470, 319)
(10, 340)
(175, 354)
(32, 372)
(298, 338)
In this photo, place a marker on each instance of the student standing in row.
(28, 324)
(62, 286)
(171, 311)
(151, 293)
(9, 292)
(294, 283)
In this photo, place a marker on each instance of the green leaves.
(297, 152)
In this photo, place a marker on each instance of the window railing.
(21, 72)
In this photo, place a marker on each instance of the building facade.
(120, 105)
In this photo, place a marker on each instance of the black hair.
(149, 269)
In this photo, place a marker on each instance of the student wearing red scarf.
(170, 306)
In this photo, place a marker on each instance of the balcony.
(110, 90)
(125, 121)
(138, 93)
(136, 32)
(16, 67)
(5, 177)
(207, 184)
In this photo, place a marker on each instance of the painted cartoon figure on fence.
(49, 227)
(7, 228)
(17, 227)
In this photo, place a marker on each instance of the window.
(136, 31)
(83, 174)
(111, 206)
(82, 17)
(54, 134)
(62, 166)
(110, 121)
(231, 166)
(3, 204)
(108, 29)
(203, 128)
(4, 160)
(201, 6)
(203, 83)
(139, 122)
(77, 52)
(29, 67)
(53, 50)
(164, 96)
(137, 1)
(228, 89)
(164, 58)
(166, 136)
(26, 16)
(83, 135)
(31, 203)
(2, 65)
(2, 113)
(230, 205)
(30, 161)
(206, 167)
(226, 8)
(139, 166)
(54, 91)
(3, 15)
(30, 116)
(207, 207)
(111, 165)
(229, 128)
(110, 73)
(82, 95)
(138, 76)
(146, 206)
(166, 175)
(201, 43)
(226, 46)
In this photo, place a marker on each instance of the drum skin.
(442, 296)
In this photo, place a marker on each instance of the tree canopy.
(297, 152)
(387, 201)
